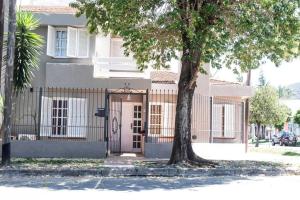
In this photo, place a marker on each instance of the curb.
(150, 172)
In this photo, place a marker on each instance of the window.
(137, 119)
(116, 49)
(155, 119)
(61, 43)
(67, 42)
(136, 141)
(64, 117)
(59, 117)
(137, 127)
(224, 120)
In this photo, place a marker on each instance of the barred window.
(155, 119)
(59, 117)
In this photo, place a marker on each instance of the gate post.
(106, 121)
(211, 120)
(147, 115)
(38, 134)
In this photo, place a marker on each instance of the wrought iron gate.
(115, 121)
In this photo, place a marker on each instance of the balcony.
(118, 67)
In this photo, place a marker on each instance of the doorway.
(126, 121)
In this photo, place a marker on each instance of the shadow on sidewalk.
(113, 184)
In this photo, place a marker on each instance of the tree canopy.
(234, 33)
(282, 115)
(284, 92)
(297, 117)
(263, 105)
(238, 34)
(265, 108)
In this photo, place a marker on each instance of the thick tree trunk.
(1, 35)
(257, 135)
(1, 54)
(9, 83)
(247, 112)
(263, 132)
(182, 151)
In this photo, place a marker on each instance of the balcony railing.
(119, 67)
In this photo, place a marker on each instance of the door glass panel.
(137, 127)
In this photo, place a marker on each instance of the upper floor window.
(67, 42)
(61, 43)
(116, 47)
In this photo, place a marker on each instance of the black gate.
(115, 123)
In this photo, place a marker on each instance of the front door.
(132, 126)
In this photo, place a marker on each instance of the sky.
(285, 74)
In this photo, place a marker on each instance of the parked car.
(284, 138)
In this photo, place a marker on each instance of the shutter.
(72, 42)
(77, 117)
(46, 118)
(168, 119)
(217, 120)
(229, 121)
(51, 41)
(82, 43)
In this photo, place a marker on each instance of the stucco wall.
(67, 75)
(58, 149)
(231, 90)
(159, 150)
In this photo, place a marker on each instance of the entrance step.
(123, 159)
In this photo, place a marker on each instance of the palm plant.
(27, 51)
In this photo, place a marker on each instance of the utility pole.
(8, 91)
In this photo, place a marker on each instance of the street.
(36, 187)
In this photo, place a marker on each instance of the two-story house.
(82, 74)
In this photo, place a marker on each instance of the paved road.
(45, 188)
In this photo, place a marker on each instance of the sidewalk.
(130, 165)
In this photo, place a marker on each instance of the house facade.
(89, 100)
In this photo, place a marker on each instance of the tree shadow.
(290, 153)
(113, 184)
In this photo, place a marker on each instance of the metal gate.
(115, 121)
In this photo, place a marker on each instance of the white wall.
(44, 2)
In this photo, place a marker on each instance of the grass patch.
(225, 164)
(56, 163)
(291, 153)
(253, 141)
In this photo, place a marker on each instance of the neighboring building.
(80, 73)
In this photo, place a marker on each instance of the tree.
(247, 110)
(231, 33)
(1, 34)
(284, 92)
(7, 122)
(262, 79)
(263, 107)
(27, 51)
(296, 117)
(26, 58)
(282, 115)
